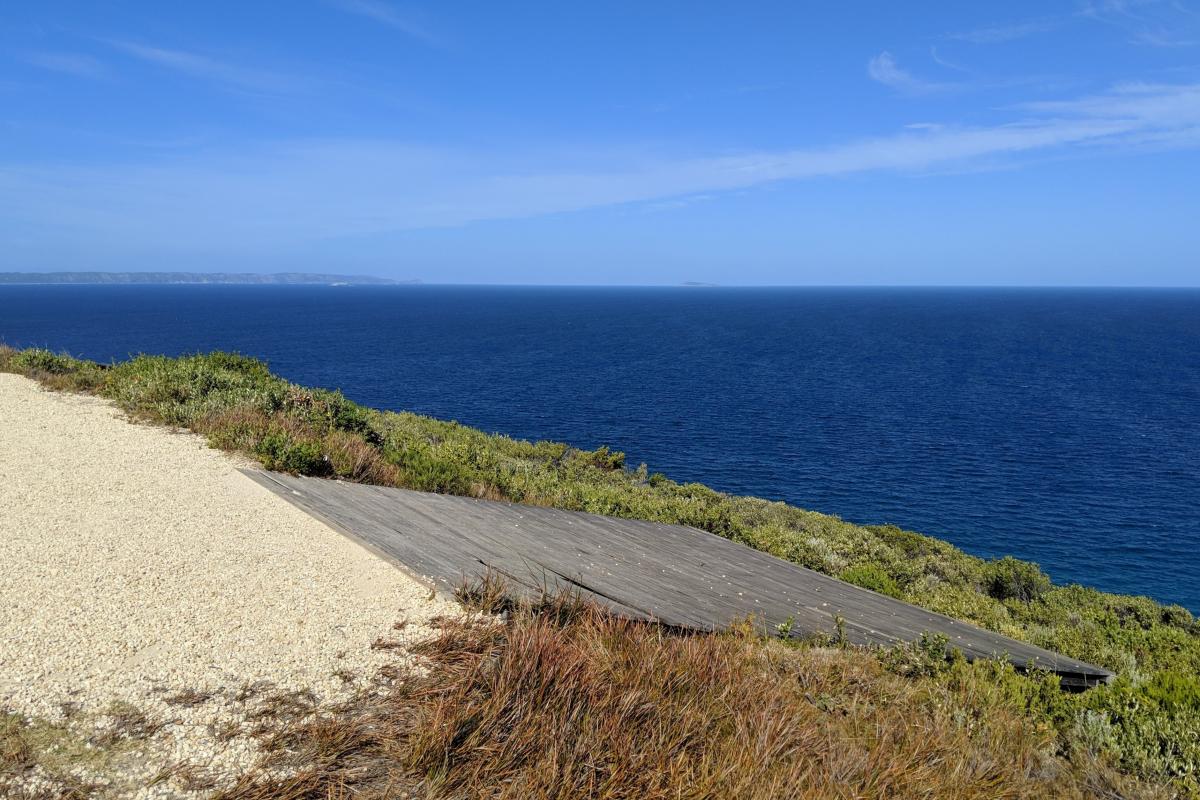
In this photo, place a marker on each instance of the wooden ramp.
(673, 574)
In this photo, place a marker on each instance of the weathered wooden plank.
(677, 575)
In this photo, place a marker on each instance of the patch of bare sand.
(147, 583)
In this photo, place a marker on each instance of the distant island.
(244, 278)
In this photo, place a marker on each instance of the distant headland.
(240, 278)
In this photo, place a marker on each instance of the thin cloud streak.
(1147, 22)
(937, 59)
(386, 14)
(202, 66)
(998, 34)
(1160, 38)
(884, 69)
(77, 64)
(287, 194)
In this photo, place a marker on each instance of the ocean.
(1056, 425)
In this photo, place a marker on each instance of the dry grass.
(126, 722)
(188, 698)
(349, 752)
(353, 458)
(608, 708)
(564, 701)
(39, 759)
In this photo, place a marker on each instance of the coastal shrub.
(1155, 728)
(603, 458)
(55, 371)
(1010, 579)
(928, 656)
(44, 361)
(325, 411)
(1178, 616)
(911, 545)
(873, 577)
(1093, 734)
(353, 458)
(422, 468)
(239, 428)
(1173, 691)
(183, 391)
(279, 451)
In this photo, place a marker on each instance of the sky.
(752, 143)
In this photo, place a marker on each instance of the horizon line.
(401, 283)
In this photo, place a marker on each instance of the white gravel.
(137, 563)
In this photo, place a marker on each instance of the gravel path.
(145, 581)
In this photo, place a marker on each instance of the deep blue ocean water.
(1061, 426)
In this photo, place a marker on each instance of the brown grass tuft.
(239, 428)
(489, 594)
(352, 457)
(126, 722)
(487, 491)
(188, 698)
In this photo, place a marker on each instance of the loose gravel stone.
(139, 568)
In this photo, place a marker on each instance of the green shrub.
(1155, 726)
(325, 411)
(1178, 616)
(929, 656)
(1093, 734)
(910, 544)
(873, 577)
(279, 451)
(1173, 691)
(1010, 579)
(45, 361)
(603, 458)
(54, 371)
(184, 391)
(424, 470)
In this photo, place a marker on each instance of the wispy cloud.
(676, 203)
(78, 64)
(938, 59)
(1161, 38)
(1151, 23)
(203, 66)
(1147, 22)
(1138, 104)
(1111, 8)
(282, 194)
(884, 69)
(388, 15)
(996, 34)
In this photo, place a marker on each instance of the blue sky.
(614, 143)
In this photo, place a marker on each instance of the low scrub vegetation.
(562, 701)
(1147, 722)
